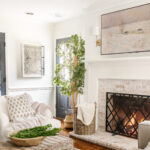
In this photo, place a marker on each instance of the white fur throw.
(86, 113)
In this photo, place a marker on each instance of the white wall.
(18, 32)
(125, 66)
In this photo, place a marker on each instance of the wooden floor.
(82, 145)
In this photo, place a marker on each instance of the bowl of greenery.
(33, 136)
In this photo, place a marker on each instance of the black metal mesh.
(125, 111)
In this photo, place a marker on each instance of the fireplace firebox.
(125, 111)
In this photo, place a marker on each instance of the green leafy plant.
(72, 55)
(37, 131)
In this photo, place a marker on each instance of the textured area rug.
(147, 147)
(107, 140)
(49, 143)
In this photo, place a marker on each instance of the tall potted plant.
(72, 63)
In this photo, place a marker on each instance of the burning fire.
(132, 123)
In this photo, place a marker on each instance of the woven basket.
(80, 128)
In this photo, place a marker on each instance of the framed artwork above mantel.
(126, 31)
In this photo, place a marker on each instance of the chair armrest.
(4, 123)
(143, 134)
(4, 120)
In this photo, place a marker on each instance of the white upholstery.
(144, 134)
(55, 123)
(4, 119)
(5, 123)
(3, 105)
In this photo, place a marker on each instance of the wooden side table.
(50, 143)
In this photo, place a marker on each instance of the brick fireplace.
(122, 86)
(127, 88)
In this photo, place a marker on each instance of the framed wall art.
(32, 60)
(126, 31)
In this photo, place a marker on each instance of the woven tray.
(80, 128)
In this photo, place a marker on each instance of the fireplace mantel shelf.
(98, 60)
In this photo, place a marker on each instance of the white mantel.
(137, 68)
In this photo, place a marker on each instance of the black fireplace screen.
(125, 111)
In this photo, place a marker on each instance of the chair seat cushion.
(19, 106)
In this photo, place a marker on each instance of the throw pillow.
(19, 106)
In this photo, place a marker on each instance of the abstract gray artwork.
(126, 31)
(32, 61)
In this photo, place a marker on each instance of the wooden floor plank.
(82, 145)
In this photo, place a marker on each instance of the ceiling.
(49, 10)
(44, 10)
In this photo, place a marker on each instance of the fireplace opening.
(125, 111)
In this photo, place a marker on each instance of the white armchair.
(6, 125)
(4, 119)
(144, 135)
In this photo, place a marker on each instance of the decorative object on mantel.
(73, 64)
(96, 32)
(84, 119)
(126, 31)
(33, 60)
